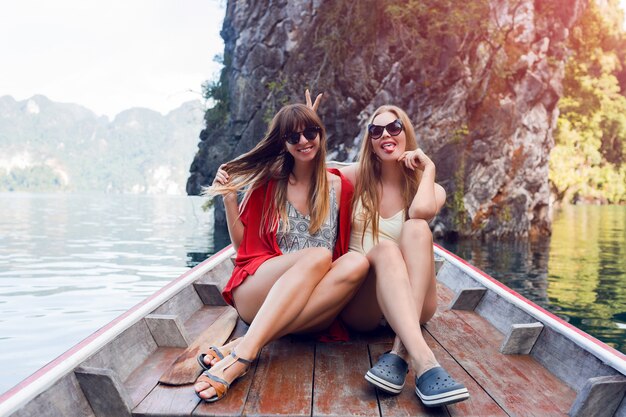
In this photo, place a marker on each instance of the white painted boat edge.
(35, 384)
(601, 350)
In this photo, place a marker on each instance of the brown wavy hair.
(369, 173)
(269, 160)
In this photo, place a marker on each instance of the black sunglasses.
(394, 128)
(309, 133)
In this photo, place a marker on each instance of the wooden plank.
(126, 352)
(202, 319)
(146, 376)
(210, 294)
(521, 339)
(168, 401)
(185, 369)
(182, 304)
(283, 381)
(518, 383)
(167, 330)
(468, 298)
(63, 398)
(600, 397)
(105, 392)
(339, 386)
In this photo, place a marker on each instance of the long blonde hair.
(269, 159)
(369, 173)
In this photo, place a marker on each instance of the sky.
(110, 55)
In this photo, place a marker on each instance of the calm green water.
(579, 273)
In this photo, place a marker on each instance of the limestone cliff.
(480, 83)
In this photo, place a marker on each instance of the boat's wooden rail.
(505, 356)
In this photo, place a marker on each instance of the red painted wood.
(339, 386)
(283, 381)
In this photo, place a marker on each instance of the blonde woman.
(293, 273)
(395, 197)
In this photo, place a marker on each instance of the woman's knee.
(354, 268)
(416, 231)
(315, 258)
(385, 250)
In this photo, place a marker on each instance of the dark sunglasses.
(394, 128)
(309, 133)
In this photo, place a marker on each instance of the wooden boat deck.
(116, 372)
(297, 376)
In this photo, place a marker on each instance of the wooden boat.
(515, 358)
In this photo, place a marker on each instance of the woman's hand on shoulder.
(416, 159)
(312, 105)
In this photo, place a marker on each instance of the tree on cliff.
(588, 162)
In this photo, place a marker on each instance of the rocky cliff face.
(480, 84)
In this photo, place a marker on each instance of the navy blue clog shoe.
(388, 373)
(436, 387)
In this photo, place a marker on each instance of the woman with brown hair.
(292, 272)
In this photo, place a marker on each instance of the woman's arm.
(231, 207)
(430, 197)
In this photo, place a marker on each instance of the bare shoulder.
(350, 172)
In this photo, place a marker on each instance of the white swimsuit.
(388, 228)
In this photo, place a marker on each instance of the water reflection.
(579, 273)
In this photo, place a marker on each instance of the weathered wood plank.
(126, 352)
(521, 339)
(185, 369)
(283, 381)
(63, 398)
(168, 401)
(468, 298)
(519, 384)
(600, 397)
(183, 304)
(339, 387)
(202, 319)
(210, 294)
(167, 330)
(146, 376)
(105, 392)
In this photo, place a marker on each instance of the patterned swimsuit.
(298, 237)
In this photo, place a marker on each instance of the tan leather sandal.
(217, 380)
(217, 353)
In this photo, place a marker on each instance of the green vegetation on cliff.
(588, 162)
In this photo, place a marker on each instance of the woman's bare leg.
(416, 245)
(331, 295)
(324, 303)
(394, 297)
(294, 278)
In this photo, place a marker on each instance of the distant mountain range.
(49, 146)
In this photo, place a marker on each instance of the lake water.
(70, 263)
